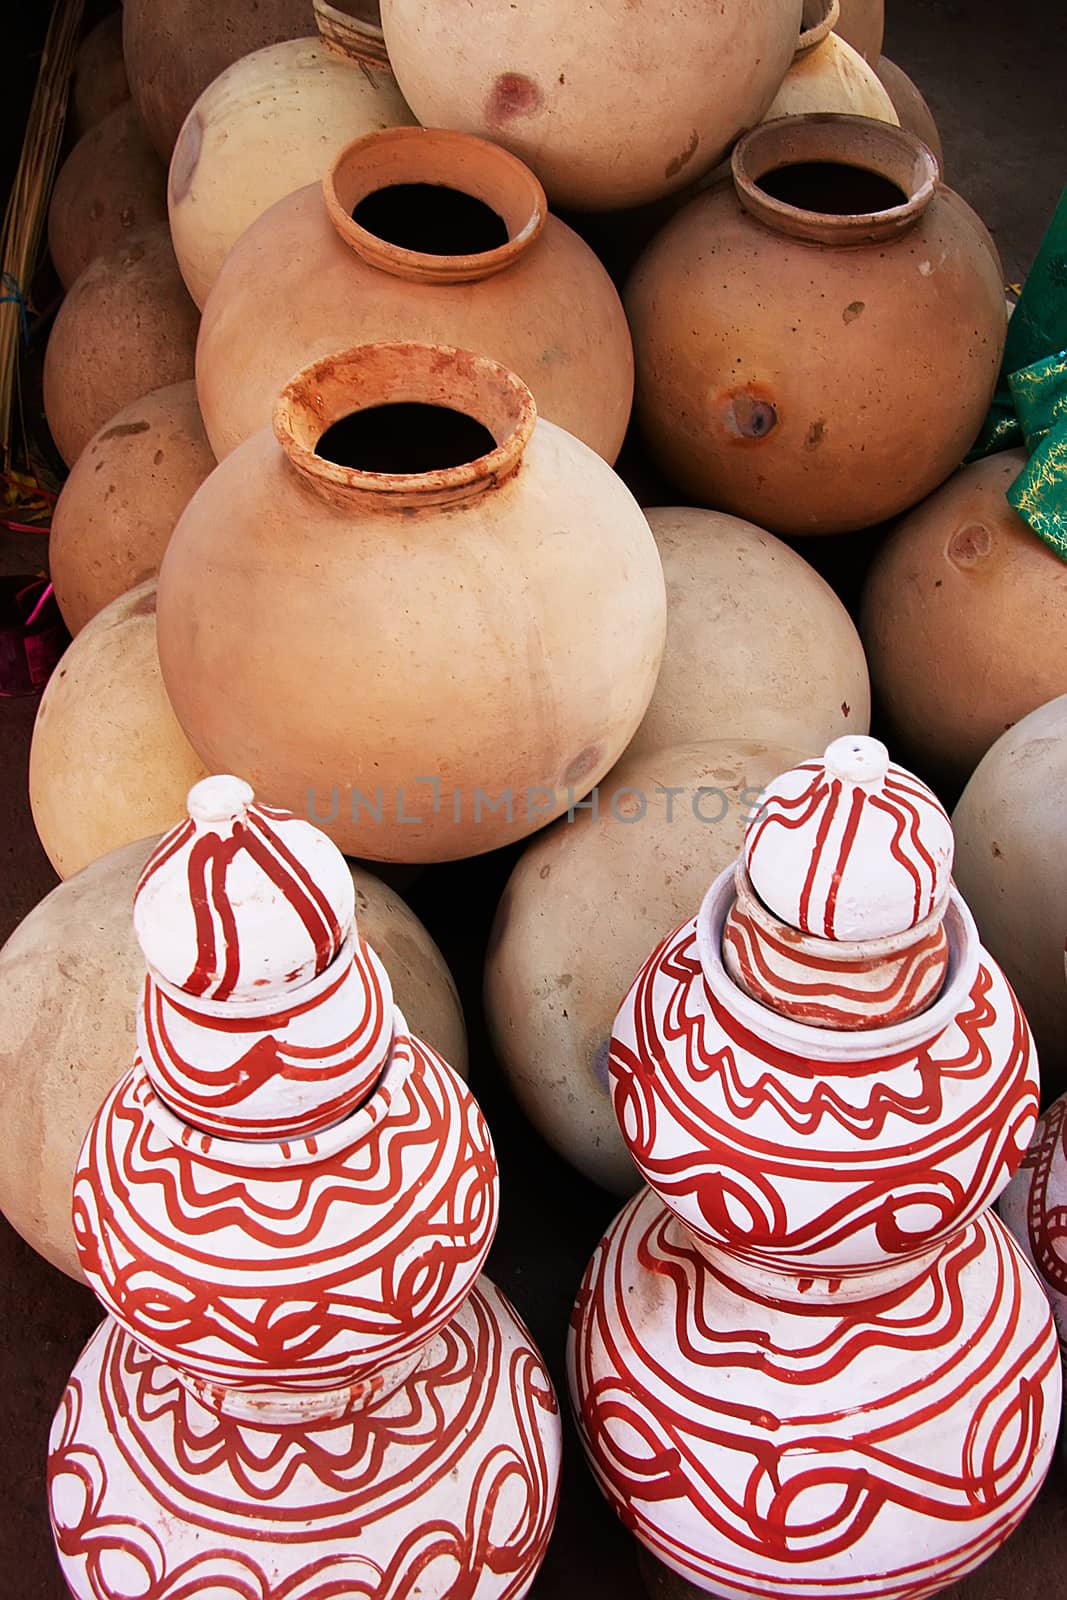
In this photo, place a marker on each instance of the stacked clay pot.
(338, 1336)
(98, 84)
(911, 108)
(126, 326)
(965, 620)
(827, 74)
(817, 346)
(124, 495)
(796, 1356)
(612, 106)
(862, 24)
(369, 256)
(111, 184)
(263, 128)
(434, 616)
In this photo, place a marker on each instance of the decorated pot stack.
(285, 1206)
(809, 1360)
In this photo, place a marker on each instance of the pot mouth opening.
(405, 438)
(818, 19)
(432, 205)
(832, 188)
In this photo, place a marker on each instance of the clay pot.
(175, 48)
(912, 110)
(1032, 1206)
(124, 495)
(818, 370)
(758, 644)
(111, 183)
(583, 907)
(127, 326)
(827, 74)
(98, 84)
(611, 106)
(952, 608)
(108, 761)
(231, 163)
(485, 269)
(406, 621)
(1011, 863)
(862, 25)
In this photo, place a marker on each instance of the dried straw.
(27, 205)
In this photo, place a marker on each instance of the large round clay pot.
(111, 184)
(862, 24)
(485, 268)
(965, 620)
(108, 761)
(1011, 863)
(124, 495)
(758, 644)
(232, 162)
(70, 977)
(612, 105)
(827, 74)
(417, 615)
(590, 897)
(127, 326)
(911, 108)
(817, 346)
(175, 48)
(98, 83)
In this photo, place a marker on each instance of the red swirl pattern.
(822, 1166)
(1034, 1207)
(314, 1271)
(448, 1485)
(882, 1447)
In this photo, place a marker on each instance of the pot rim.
(440, 157)
(356, 38)
(843, 952)
(825, 15)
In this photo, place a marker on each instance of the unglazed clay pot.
(827, 74)
(127, 326)
(611, 105)
(368, 256)
(758, 644)
(111, 184)
(816, 347)
(124, 495)
(476, 596)
(965, 620)
(912, 110)
(862, 24)
(175, 48)
(98, 84)
(587, 901)
(232, 162)
(1011, 863)
(108, 761)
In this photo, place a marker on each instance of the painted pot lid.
(850, 846)
(241, 902)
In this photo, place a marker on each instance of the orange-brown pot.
(111, 183)
(127, 326)
(862, 24)
(517, 285)
(965, 620)
(124, 495)
(98, 83)
(911, 108)
(432, 649)
(817, 346)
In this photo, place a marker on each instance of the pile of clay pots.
(451, 525)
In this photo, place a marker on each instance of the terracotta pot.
(231, 163)
(951, 611)
(818, 371)
(862, 25)
(912, 110)
(514, 284)
(827, 74)
(433, 588)
(111, 184)
(124, 495)
(175, 48)
(586, 902)
(610, 106)
(127, 326)
(108, 761)
(1011, 863)
(98, 84)
(758, 644)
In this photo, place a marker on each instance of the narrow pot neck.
(355, 34)
(818, 20)
(822, 142)
(434, 158)
(301, 1408)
